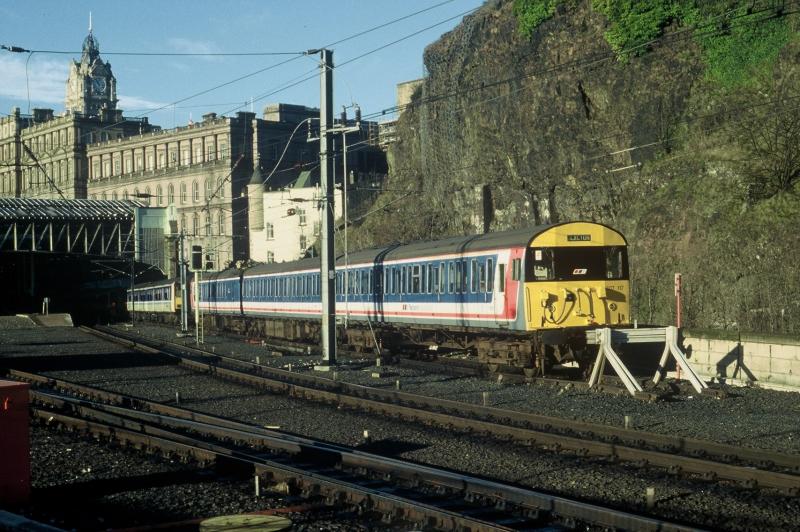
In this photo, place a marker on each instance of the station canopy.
(18, 209)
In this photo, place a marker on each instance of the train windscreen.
(585, 263)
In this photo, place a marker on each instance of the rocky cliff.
(638, 119)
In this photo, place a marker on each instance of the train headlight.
(612, 306)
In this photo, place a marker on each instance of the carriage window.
(516, 269)
(490, 275)
(415, 280)
(459, 276)
(474, 277)
(482, 274)
(501, 278)
(451, 277)
(441, 277)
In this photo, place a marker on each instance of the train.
(522, 298)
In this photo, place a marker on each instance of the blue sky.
(144, 83)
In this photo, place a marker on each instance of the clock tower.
(91, 86)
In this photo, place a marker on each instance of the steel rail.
(495, 494)
(451, 414)
(667, 443)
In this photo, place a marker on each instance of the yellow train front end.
(576, 276)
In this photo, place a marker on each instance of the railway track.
(709, 460)
(395, 489)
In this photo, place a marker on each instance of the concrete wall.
(764, 361)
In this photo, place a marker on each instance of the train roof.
(151, 284)
(433, 248)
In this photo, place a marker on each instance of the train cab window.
(616, 262)
(581, 263)
(490, 275)
(541, 266)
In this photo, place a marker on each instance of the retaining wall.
(772, 362)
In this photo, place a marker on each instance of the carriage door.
(496, 286)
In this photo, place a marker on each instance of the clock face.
(98, 85)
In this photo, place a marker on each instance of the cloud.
(189, 46)
(46, 79)
(136, 104)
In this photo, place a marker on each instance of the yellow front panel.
(574, 234)
(558, 304)
(553, 304)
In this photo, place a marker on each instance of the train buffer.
(606, 338)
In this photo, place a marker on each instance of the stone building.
(201, 169)
(43, 155)
(285, 223)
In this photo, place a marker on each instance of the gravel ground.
(752, 417)
(80, 484)
(712, 505)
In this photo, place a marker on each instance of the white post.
(196, 302)
(344, 207)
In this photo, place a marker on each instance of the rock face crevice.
(557, 128)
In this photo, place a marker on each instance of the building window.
(170, 194)
(161, 160)
(124, 194)
(198, 154)
(210, 152)
(138, 165)
(149, 161)
(103, 196)
(208, 224)
(114, 196)
(147, 193)
(116, 167)
(303, 242)
(195, 192)
(209, 191)
(223, 150)
(317, 226)
(269, 231)
(270, 257)
(195, 224)
(221, 223)
(127, 165)
(186, 158)
(159, 195)
(184, 197)
(221, 188)
(184, 229)
(301, 216)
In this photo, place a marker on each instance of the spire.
(91, 47)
